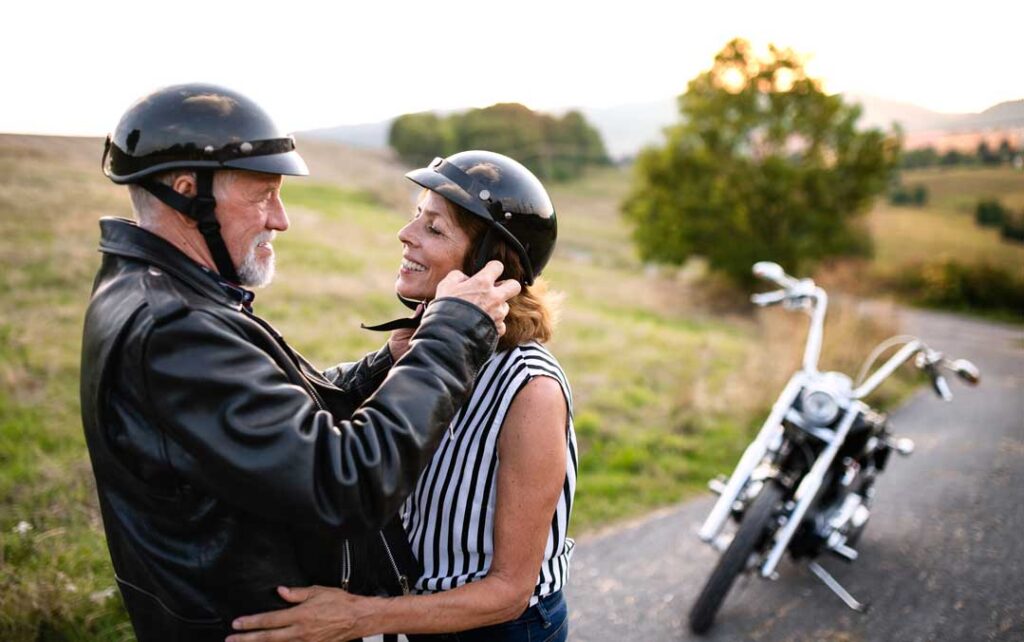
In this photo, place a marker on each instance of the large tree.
(763, 165)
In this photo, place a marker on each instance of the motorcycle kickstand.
(837, 588)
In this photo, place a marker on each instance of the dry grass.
(957, 190)
(905, 236)
(945, 229)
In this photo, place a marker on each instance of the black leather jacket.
(225, 464)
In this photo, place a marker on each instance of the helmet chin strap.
(402, 323)
(482, 253)
(484, 250)
(201, 208)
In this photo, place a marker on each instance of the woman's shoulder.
(535, 358)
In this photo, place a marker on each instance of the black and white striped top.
(450, 516)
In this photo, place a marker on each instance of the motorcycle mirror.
(770, 271)
(966, 371)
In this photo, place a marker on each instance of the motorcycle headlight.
(820, 407)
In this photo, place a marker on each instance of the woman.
(487, 520)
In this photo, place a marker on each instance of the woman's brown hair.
(533, 313)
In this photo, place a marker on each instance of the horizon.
(344, 66)
(555, 111)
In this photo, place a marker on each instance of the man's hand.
(322, 614)
(482, 291)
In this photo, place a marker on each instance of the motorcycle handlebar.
(773, 272)
(765, 299)
(801, 293)
(941, 387)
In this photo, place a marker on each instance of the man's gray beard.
(253, 272)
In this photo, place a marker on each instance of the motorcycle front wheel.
(753, 531)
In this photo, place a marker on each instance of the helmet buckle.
(200, 207)
(208, 224)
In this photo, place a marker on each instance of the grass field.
(945, 228)
(667, 388)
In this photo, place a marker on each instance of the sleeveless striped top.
(449, 518)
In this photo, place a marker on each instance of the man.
(225, 464)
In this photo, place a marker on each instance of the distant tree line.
(554, 148)
(984, 154)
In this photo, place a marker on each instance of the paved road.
(941, 559)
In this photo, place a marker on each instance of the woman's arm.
(531, 472)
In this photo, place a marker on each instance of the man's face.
(250, 213)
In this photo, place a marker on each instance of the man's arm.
(532, 448)
(257, 439)
(362, 377)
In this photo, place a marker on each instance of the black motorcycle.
(806, 483)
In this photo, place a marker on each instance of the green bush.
(1012, 228)
(989, 213)
(916, 196)
(982, 287)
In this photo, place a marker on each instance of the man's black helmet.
(203, 128)
(509, 198)
(197, 126)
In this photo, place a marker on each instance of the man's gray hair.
(145, 206)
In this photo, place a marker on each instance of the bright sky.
(74, 67)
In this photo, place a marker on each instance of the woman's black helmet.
(506, 195)
(203, 128)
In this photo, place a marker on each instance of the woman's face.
(432, 246)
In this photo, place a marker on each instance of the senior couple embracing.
(424, 490)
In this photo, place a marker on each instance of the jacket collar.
(123, 237)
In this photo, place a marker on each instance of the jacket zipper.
(403, 581)
(295, 360)
(346, 566)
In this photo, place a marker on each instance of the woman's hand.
(323, 614)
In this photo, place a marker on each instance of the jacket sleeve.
(259, 441)
(362, 377)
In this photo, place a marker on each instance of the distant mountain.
(365, 135)
(1007, 114)
(879, 112)
(626, 129)
(629, 127)
(882, 113)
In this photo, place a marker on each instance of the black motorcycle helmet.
(506, 195)
(198, 127)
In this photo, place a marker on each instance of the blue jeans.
(546, 621)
